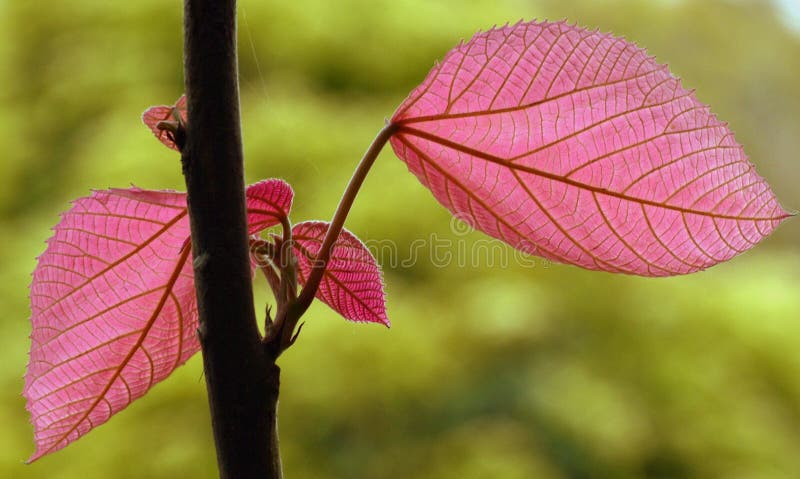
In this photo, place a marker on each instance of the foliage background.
(519, 372)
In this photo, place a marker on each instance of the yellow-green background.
(543, 372)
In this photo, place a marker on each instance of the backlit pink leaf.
(352, 284)
(155, 114)
(577, 146)
(113, 305)
(113, 311)
(268, 203)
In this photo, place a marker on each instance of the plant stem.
(345, 203)
(241, 375)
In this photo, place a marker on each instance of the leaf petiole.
(345, 203)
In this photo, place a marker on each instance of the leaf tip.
(787, 214)
(37, 453)
(35, 456)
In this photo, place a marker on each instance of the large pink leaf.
(113, 311)
(352, 284)
(155, 114)
(113, 305)
(577, 146)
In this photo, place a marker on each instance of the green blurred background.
(520, 372)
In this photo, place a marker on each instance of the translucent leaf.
(113, 305)
(577, 146)
(352, 283)
(113, 311)
(268, 203)
(156, 114)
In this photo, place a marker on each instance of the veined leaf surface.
(155, 114)
(577, 146)
(352, 283)
(114, 307)
(268, 203)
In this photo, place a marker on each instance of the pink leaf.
(577, 146)
(268, 203)
(113, 305)
(113, 311)
(352, 284)
(155, 114)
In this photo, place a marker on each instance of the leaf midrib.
(402, 129)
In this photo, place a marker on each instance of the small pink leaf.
(113, 305)
(268, 203)
(352, 284)
(155, 114)
(577, 146)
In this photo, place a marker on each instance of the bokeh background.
(537, 371)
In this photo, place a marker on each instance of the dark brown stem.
(241, 376)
